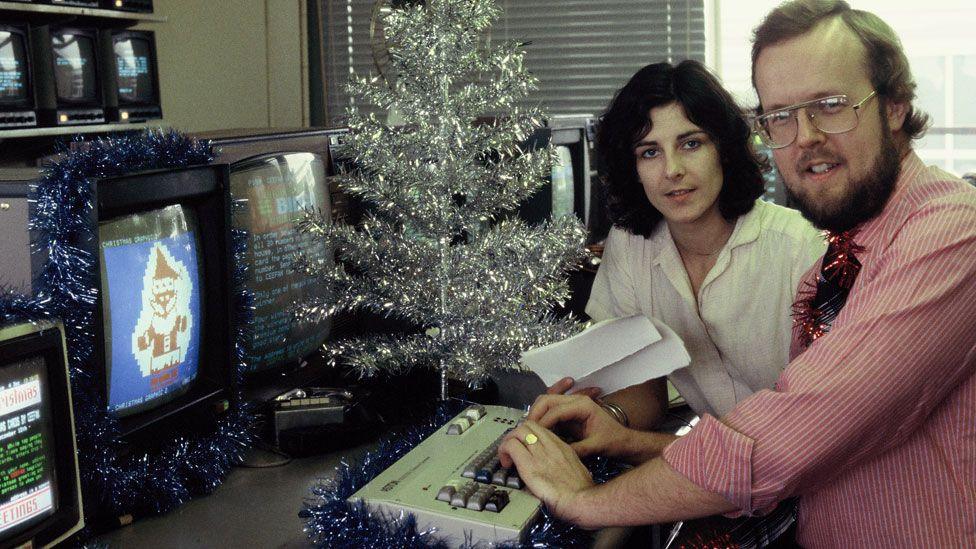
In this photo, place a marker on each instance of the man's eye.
(778, 118)
(831, 105)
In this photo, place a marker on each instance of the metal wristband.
(616, 412)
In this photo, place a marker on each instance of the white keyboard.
(452, 482)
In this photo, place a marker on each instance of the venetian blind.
(581, 50)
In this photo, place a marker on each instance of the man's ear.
(896, 113)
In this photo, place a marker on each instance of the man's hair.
(708, 106)
(885, 59)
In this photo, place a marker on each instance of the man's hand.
(581, 418)
(549, 468)
(565, 384)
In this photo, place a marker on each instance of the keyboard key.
(499, 477)
(477, 501)
(446, 493)
(514, 481)
(459, 499)
(497, 501)
(475, 412)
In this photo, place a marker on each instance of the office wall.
(227, 64)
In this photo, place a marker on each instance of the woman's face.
(678, 165)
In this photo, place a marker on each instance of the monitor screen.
(151, 276)
(28, 476)
(74, 67)
(278, 190)
(14, 86)
(134, 65)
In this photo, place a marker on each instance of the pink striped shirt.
(873, 426)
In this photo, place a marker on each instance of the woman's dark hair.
(708, 106)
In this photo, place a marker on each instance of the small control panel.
(453, 481)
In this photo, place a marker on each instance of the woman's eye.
(648, 153)
(692, 144)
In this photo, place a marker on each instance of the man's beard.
(865, 197)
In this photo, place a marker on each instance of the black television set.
(17, 101)
(275, 191)
(131, 76)
(40, 496)
(142, 6)
(274, 174)
(163, 321)
(68, 76)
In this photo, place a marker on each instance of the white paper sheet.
(611, 355)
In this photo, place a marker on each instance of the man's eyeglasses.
(832, 114)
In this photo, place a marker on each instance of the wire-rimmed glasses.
(833, 114)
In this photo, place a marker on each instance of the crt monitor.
(134, 77)
(568, 190)
(40, 495)
(163, 321)
(68, 76)
(17, 107)
(275, 192)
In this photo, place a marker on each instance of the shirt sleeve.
(902, 344)
(614, 293)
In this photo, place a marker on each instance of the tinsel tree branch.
(439, 247)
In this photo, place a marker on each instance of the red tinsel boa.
(839, 266)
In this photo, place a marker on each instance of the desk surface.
(253, 508)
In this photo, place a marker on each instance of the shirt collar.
(871, 231)
(746, 230)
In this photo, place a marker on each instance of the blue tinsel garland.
(114, 483)
(331, 522)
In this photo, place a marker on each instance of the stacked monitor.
(64, 76)
(79, 3)
(163, 329)
(68, 76)
(40, 495)
(132, 76)
(17, 102)
(144, 6)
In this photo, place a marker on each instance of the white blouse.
(739, 337)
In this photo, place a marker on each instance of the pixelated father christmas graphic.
(162, 335)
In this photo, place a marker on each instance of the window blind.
(582, 51)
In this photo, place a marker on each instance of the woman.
(692, 245)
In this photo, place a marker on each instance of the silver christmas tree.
(439, 247)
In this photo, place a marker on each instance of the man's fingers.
(560, 386)
(567, 410)
(584, 448)
(512, 451)
(591, 392)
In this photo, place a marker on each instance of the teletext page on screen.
(277, 249)
(25, 461)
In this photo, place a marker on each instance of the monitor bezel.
(30, 102)
(150, 37)
(91, 33)
(47, 340)
(303, 369)
(203, 189)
